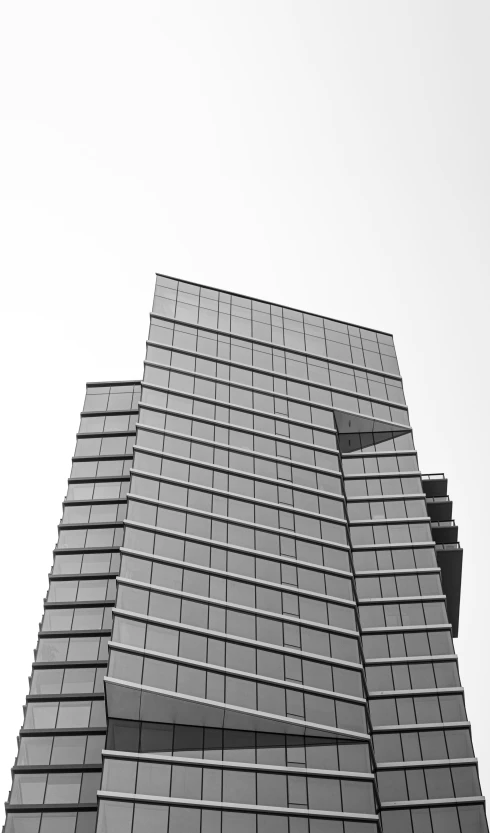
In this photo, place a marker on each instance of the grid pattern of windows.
(59, 762)
(285, 376)
(127, 817)
(238, 786)
(270, 323)
(271, 394)
(236, 586)
(416, 707)
(265, 361)
(234, 620)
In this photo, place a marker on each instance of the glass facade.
(250, 620)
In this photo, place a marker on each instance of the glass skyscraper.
(254, 591)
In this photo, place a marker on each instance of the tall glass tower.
(250, 618)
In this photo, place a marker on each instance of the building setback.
(250, 618)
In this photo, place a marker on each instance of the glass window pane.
(237, 823)
(115, 817)
(58, 823)
(73, 715)
(63, 788)
(69, 749)
(34, 751)
(183, 820)
(28, 788)
(153, 779)
(271, 790)
(119, 776)
(239, 787)
(150, 818)
(22, 823)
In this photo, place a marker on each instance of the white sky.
(332, 156)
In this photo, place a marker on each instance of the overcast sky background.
(332, 156)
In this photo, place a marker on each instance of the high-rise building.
(250, 618)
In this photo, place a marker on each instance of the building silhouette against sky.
(250, 613)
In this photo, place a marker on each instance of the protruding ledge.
(356, 431)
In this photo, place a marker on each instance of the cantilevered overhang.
(133, 701)
(357, 431)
